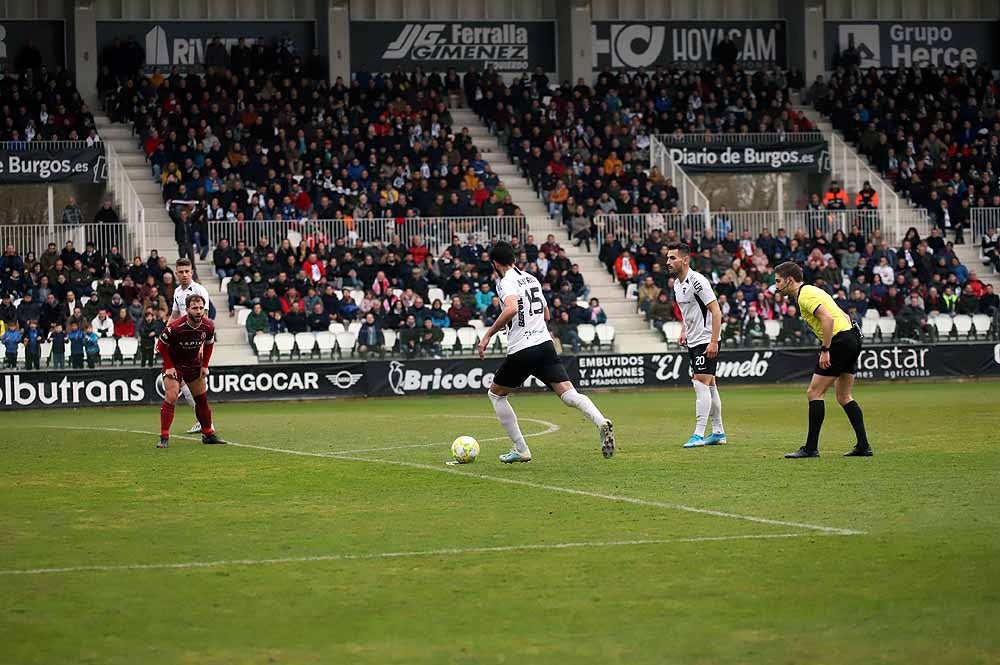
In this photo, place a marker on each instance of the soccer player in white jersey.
(186, 286)
(530, 352)
(701, 326)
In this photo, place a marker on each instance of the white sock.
(702, 406)
(188, 397)
(716, 412)
(507, 417)
(582, 402)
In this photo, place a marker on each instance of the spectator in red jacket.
(625, 269)
(123, 324)
(419, 250)
(315, 269)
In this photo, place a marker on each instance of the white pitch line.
(550, 429)
(514, 481)
(396, 555)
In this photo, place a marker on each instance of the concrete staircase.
(231, 346)
(968, 254)
(632, 333)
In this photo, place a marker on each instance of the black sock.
(817, 410)
(853, 411)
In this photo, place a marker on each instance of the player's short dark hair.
(789, 269)
(502, 253)
(681, 247)
(183, 262)
(191, 298)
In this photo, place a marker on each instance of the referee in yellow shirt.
(837, 358)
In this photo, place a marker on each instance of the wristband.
(824, 349)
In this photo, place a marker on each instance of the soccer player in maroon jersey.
(186, 346)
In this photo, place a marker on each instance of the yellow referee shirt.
(809, 299)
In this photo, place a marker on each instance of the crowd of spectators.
(585, 148)
(39, 104)
(73, 299)
(252, 140)
(911, 283)
(391, 286)
(934, 133)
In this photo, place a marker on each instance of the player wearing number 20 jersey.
(530, 352)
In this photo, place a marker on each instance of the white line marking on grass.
(511, 481)
(551, 428)
(398, 555)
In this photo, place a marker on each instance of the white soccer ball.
(465, 449)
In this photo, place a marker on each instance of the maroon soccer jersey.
(184, 343)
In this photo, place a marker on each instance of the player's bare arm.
(713, 347)
(508, 313)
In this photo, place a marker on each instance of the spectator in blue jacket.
(76, 346)
(11, 342)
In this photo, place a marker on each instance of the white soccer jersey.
(693, 295)
(181, 294)
(527, 328)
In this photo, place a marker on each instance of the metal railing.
(436, 232)
(14, 146)
(980, 221)
(36, 237)
(690, 194)
(132, 210)
(742, 138)
(828, 221)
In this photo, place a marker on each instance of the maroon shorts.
(188, 374)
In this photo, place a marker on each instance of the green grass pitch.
(369, 549)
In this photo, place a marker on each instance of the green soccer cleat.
(514, 456)
(716, 439)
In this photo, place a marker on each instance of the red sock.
(203, 412)
(166, 418)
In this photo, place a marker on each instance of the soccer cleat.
(859, 451)
(695, 441)
(716, 439)
(194, 428)
(514, 456)
(211, 439)
(801, 453)
(164, 442)
(607, 439)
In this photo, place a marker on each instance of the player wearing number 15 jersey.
(530, 352)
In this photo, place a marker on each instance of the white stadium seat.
(887, 327)
(336, 327)
(354, 327)
(326, 342)
(502, 340)
(943, 325)
(449, 340)
(963, 324)
(981, 323)
(632, 292)
(46, 351)
(605, 334)
(345, 342)
(128, 347)
(390, 339)
(467, 337)
(108, 346)
(357, 295)
(242, 316)
(672, 331)
(773, 329)
(587, 333)
(285, 344)
(225, 283)
(434, 293)
(478, 325)
(306, 342)
(265, 344)
(872, 314)
(869, 327)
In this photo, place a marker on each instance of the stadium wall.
(458, 376)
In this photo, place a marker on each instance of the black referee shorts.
(844, 351)
(540, 361)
